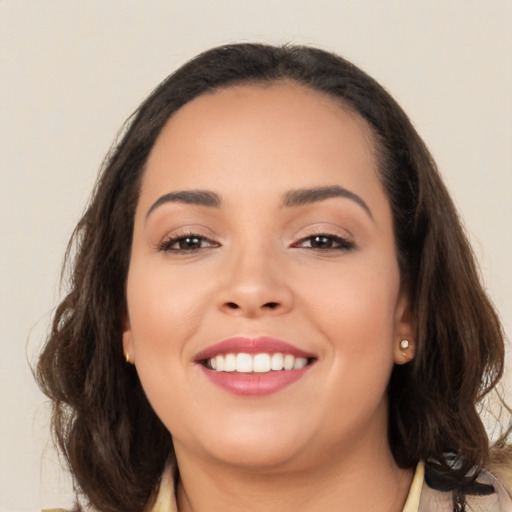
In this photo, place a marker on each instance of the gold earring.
(404, 345)
(127, 357)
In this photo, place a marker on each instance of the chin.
(256, 458)
(255, 447)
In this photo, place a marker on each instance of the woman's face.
(263, 241)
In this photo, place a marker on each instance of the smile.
(254, 366)
(257, 363)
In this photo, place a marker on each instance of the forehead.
(264, 104)
(254, 134)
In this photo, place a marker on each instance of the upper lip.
(240, 344)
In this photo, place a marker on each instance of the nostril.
(267, 305)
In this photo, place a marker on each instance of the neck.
(362, 480)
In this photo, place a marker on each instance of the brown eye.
(325, 242)
(321, 242)
(188, 243)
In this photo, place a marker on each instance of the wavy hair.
(115, 445)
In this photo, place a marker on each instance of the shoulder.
(500, 499)
(489, 496)
(501, 465)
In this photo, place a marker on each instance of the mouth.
(261, 363)
(254, 367)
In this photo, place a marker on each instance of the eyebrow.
(291, 199)
(304, 196)
(196, 197)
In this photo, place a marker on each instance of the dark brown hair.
(114, 443)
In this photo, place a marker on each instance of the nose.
(255, 285)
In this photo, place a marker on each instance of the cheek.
(165, 309)
(355, 308)
(363, 296)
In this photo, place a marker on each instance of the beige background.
(72, 71)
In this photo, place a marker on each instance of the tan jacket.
(421, 497)
(501, 465)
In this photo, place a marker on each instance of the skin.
(320, 443)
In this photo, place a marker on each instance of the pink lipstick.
(254, 366)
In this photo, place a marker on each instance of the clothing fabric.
(421, 497)
(432, 500)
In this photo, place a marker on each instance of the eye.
(324, 242)
(186, 243)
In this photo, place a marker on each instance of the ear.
(128, 346)
(404, 346)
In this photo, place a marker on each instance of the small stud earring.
(404, 344)
(127, 357)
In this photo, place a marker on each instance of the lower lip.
(254, 384)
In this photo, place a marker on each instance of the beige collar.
(166, 500)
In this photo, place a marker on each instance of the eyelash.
(166, 245)
(337, 243)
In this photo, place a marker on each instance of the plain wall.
(72, 72)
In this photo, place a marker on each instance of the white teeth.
(289, 361)
(229, 363)
(300, 362)
(261, 363)
(256, 363)
(219, 363)
(244, 363)
(277, 362)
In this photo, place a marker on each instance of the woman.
(273, 305)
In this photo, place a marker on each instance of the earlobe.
(404, 345)
(404, 350)
(128, 349)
